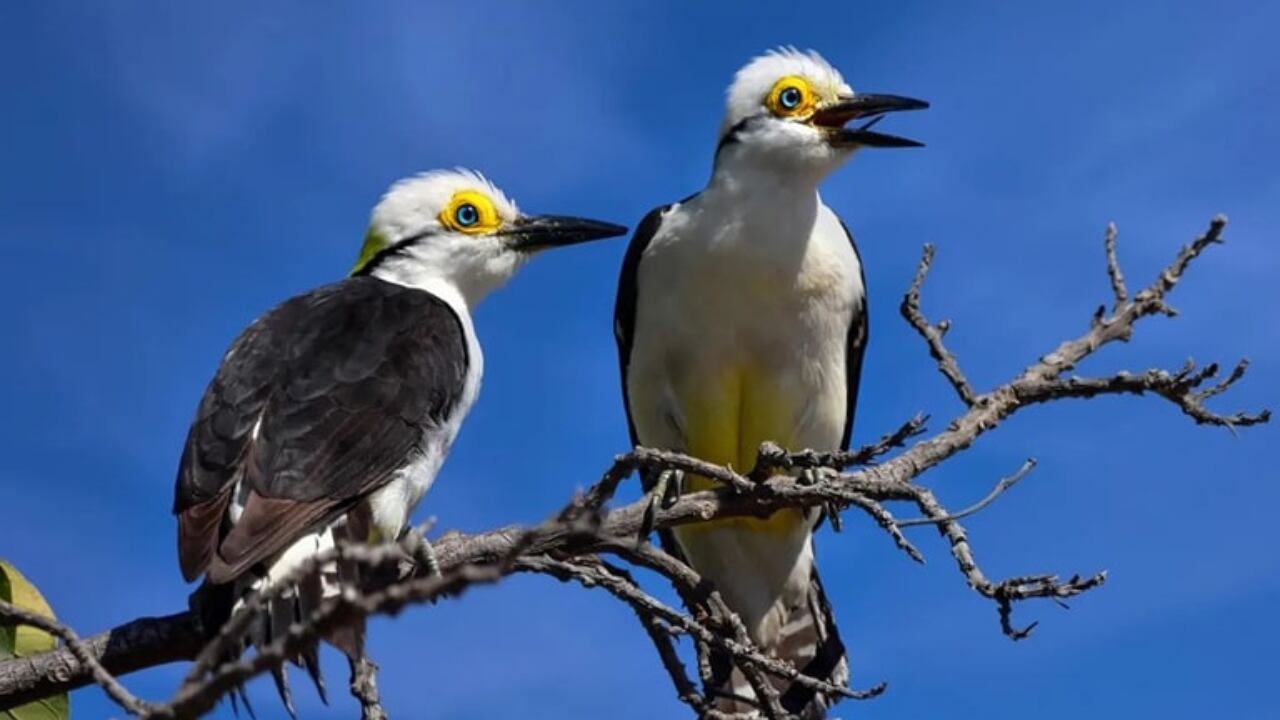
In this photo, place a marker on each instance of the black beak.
(530, 234)
(871, 107)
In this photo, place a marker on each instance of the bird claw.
(832, 513)
(419, 553)
(664, 493)
(812, 476)
(815, 475)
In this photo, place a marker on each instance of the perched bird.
(331, 414)
(741, 317)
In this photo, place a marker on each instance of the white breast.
(743, 310)
(722, 284)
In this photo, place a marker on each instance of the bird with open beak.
(741, 318)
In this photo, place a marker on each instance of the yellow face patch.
(470, 212)
(792, 96)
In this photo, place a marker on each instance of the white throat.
(780, 168)
(414, 275)
(763, 199)
(462, 282)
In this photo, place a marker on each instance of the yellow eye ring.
(791, 96)
(470, 212)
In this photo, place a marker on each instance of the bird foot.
(813, 476)
(419, 552)
(664, 493)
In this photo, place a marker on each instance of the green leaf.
(54, 708)
(23, 640)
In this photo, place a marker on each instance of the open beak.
(530, 234)
(833, 118)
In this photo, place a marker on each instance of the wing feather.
(317, 405)
(855, 349)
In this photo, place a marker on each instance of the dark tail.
(810, 641)
(214, 605)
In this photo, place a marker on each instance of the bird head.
(454, 228)
(791, 109)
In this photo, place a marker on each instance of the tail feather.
(239, 692)
(217, 603)
(281, 678)
(810, 641)
(311, 661)
(807, 637)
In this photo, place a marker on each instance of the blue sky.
(171, 171)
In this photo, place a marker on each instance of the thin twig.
(1113, 268)
(83, 653)
(1178, 390)
(932, 334)
(364, 688)
(1004, 484)
(738, 643)
(772, 457)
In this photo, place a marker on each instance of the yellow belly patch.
(725, 422)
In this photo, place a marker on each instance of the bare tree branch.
(589, 573)
(1178, 388)
(137, 644)
(82, 651)
(570, 546)
(932, 334)
(364, 688)
(772, 457)
(1113, 269)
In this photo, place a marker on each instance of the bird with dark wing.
(331, 414)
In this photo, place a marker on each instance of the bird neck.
(763, 194)
(457, 268)
(765, 165)
(407, 273)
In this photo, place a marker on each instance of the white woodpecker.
(742, 318)
(331, 414)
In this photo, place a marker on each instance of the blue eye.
(790, 98)
(466, 215)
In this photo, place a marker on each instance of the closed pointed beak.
(872, 107)
(530, 234)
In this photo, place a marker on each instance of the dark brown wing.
(214, 453)
(343, 385)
